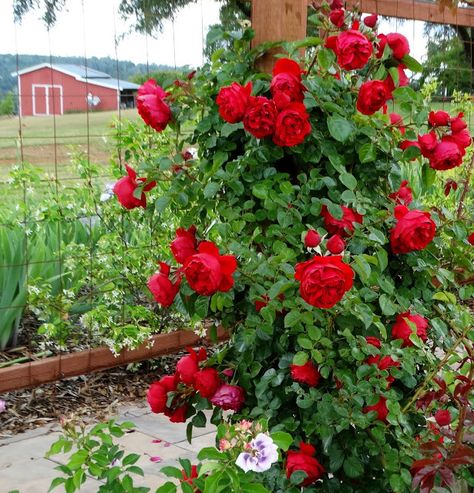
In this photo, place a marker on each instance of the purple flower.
(3, 406)
(261, 455)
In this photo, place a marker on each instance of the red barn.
(55, 89)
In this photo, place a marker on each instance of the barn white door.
(47, 99)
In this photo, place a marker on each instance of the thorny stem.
(466, 188)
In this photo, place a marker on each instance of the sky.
(88, 27)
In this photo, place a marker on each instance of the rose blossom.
(260, 117)
(403, 195)
(324, 280)
(336, 244)
(312, 239)
(403, 80)
(229, 397)
(206, 382)
(382, 43)
(398, 44)
(184, 245)
(307, 374)
(428, 143)
(353, 50)
(208, 272)
(371, 20)
(286, 84)
(374, 341)
(344, 226)
(446, 155)
(157, 394)
(380, 408)
(152, 107)
(178, 414)
(233, 101)
(188, 366)
(396, 120)
(439, 118)
(470, 239)
(413, 231)
(457, 124)
(337, 17)
(401, 329)
(462, 139)
(292, 125)
(443, 417)
(303, 460)
(125, 188)
(260, 456)
(162, 288)
(372, 96)
(190, 479)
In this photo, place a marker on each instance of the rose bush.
(334, 273)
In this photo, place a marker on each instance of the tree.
(7, 104)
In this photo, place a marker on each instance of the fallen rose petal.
(156, 459)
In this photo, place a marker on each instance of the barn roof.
(83, 74)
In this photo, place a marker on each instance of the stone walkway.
(24, 468)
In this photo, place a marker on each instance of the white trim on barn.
(46, 91)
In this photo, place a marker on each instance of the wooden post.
(278, 20)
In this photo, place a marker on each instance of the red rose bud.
(336, 4)
(191, 75)
(324, 280)
(307, 374)
(372, 96)
(152, 107)
(229, 397)
(342, 227)
(446, 155)
(439, 119)
(312, 239)
(470, 239)
(228, 372)
(398, 44)
(208, 272)
(353, 50)
(292, 125)
(403, 80)
(401, 329)
(380, 408)
(371, 20)
(413, 231)
(458, 125)
(428, 143)
(177, 415)
(186, 155)
(374, 341)
(335, 244)
(186, 368)
(260, 117)
(450, 185)
(303, 460)
(184, 245)
(125, 188)
(382, 43)
(157, 394)
(206, 382)
(403, 195)
(162, 288)
(396, 120)
(337, 17)
(233, 101)
(443, 417)
(286, 84)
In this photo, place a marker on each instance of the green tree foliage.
(7, 104)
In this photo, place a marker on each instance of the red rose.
(470, 239)
(372, 96)
(336, 4)
(324, 280)
(184, 245)
(152, 107)
(157, 394)
(409, 143)
(398, 44)
(458, 124)
(335, 244)
(446, 155)
(401, 329)
(177, 415)
(371, 20)
(396, 120)
(413, 231)
(190, 479)
(374, 341)
(462, 139)
(260, 117)
(403, 195)
(303, 460)
(126, 186)
(208, 272)
(403, 80)
(382, 43)
(286, 84)
(353, 50)
(233, 101)
(312, 239)
(342, 227)
(443, 417)
(206, 382)
(450, 185)
(439, 118)
(229, 397)
(380, 408)
(188, 366)
(337, 17)
(292, 125)
(428, 143)
(162, 288)
(307, 373)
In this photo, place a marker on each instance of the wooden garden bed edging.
(48, 370)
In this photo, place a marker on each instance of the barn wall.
(74, 92)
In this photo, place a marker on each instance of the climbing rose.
(374, 341)
(185, 244)
(303, 460)
(188, 366)
(446, 155)
(260, 117)
(470, 239)
(398, 44)
(292, 125)
(190, 479)
(458, 124)
(324, 280)
(428, 143)
(462, 139)
(286, 86)
(403, 195)
(371, 20)
(342, 227)
(208, 272)
(162, 288)
(380, 408)
(233, 101)
(125, 188)
(353, 50)
(336, 4)
(206, 382)
(439, 118)
(152, 107)
(402, 330)
(443, 417)
(177, 415)
(307, 374)
(229, 397)
(409, 143)
(403, 80)
(157, 394)
(382, 42)
(372, 96)
(337, 17)
(335, 244)
(413, 231)
(312, 239)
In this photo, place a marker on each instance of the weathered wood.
(48, 370)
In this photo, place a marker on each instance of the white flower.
(260, 456)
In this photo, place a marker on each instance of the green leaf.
(340, 128)
(387, 306)
(55, 483)
(167, 488)
(162, 203)
(229, 128)
(412, 64)
(172, 472)
(210, 453)
(260, 190)
(300, 358)
(348, 180)
(353, 467)
(282, 439)
(130, 459)
(253, 488)
(211, 189)
(292, 318)
(298, 477)
(201, 306)
(326, 58)
(367, 153)
(304, 342)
